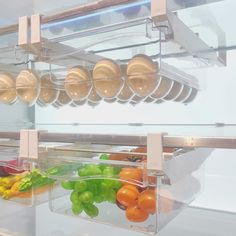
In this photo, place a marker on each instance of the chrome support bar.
(131, 140)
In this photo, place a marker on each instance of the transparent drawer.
(114, 187)
(20, 181)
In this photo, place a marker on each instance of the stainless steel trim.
(132, 140)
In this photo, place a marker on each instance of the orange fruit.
(147, 201)
(127, 195)
(135, 214)
(131, 174)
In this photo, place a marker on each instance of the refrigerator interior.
(211, 113)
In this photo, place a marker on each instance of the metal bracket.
(182, 34)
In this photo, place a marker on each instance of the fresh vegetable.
(34, 179)
(104, 157)
(7, 182)
(135, 214)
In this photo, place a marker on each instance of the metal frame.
(177, 31)
(131, 140)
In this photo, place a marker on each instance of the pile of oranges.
(138, 203)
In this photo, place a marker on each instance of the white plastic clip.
(35, 29)
(29, 144)
(159, 10)
(23, 25)
(154, 152)
(33, 144)
(24, 144)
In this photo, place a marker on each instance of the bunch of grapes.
(98, 188)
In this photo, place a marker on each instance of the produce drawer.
(21, 183)
(112, 185)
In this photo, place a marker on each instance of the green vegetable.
(86, 197)
(69, 185)
(80, 186)
(91, 210)
(33, 180)
(104, 157)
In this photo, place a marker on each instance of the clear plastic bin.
(112, 185)
(20, 182)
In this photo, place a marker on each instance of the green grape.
(93, 186)
(93, 169)
(83, 172)
(104, 187)
(99, 198)
(104, 157)
(108, 171)
(116, 184)
(69, 185)
(77, 208)
(112, 183)
(74, 197)
(86, 197)
(111, 196)
(91, 210)
(80, 186)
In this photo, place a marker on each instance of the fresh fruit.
(131, 174)
(135, 214)
(77, 208)
(111, 196)
(127, 195)
(99, 198)
(69, 185)
(74, 197)
(108, 171)
(86, 197)
(80, 186)
(147, 201)
(122, 207)
(89, 170)
(91, 210)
